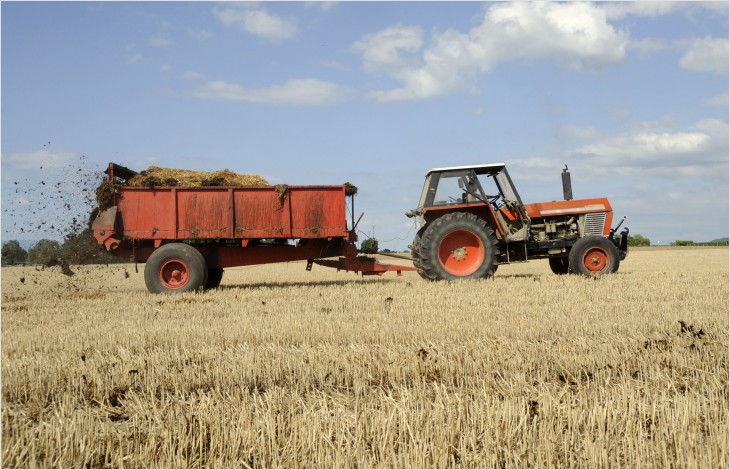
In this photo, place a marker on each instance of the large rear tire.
(594, 256)
(416, 252)
(458, 245)
(175, 267)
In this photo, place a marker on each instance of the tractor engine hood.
(575, 207)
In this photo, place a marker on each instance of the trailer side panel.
(224, 212)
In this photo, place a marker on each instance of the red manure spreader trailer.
(187, 236)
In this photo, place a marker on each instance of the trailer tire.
(458, 245)
(593, 256)
(175, 267)
(559, 266)
(215, 276)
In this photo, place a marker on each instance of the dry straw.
(156, 176)
(285, 368)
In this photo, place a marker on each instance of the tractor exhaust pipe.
(567, 186)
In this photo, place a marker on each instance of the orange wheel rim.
(461, 252)
(174, 273)
(596, 260)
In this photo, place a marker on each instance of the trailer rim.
(174, 273)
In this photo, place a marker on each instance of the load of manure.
(156, 176)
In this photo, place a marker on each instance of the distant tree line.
(78, 248)
(640, 240)
(692, 243)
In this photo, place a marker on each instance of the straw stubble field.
(285, 368)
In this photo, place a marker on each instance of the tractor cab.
(475, 188)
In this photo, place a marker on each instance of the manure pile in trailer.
(156, 176)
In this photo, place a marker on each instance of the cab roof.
(479, 169)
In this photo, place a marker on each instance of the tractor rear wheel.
(593, 256)
(175, 267)
(458, 245)
(416, 252)
(559, 265)
(215, 276)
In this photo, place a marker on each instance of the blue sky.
(633, 96)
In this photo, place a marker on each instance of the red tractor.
(473, 220)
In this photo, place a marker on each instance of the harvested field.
(286, 368)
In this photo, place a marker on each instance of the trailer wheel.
(593, 256)
(559, 265)
(458, 245)
(175, 267)
(215, 276)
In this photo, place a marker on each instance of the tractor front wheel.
(593, 256)
(175, 267)
(458, 245)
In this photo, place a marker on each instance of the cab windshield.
(469, 186)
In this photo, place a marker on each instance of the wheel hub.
(459, 253)
(174, 273)
(596, 260)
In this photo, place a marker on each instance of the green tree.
(82, 248)
(639, 240)
(13, 253)
(44, 252)
(369, 246)
(683, 243)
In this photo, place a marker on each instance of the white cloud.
(718, 100)
(200, 34)
(303, 92)
(334, 65)
(131, 55)
(618, 10)
(535, 169)
(580, 132)
(700, 149)
(192, 75)
(381, 51)
(257, 21)
(324, 6)
(706, 55)
(159, 40)
(647, 146)
(36, 160)
(134, 58)
(720, 8)
(575, 35)
(649, 46)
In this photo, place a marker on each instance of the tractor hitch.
(622, 244)
(361, 264)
